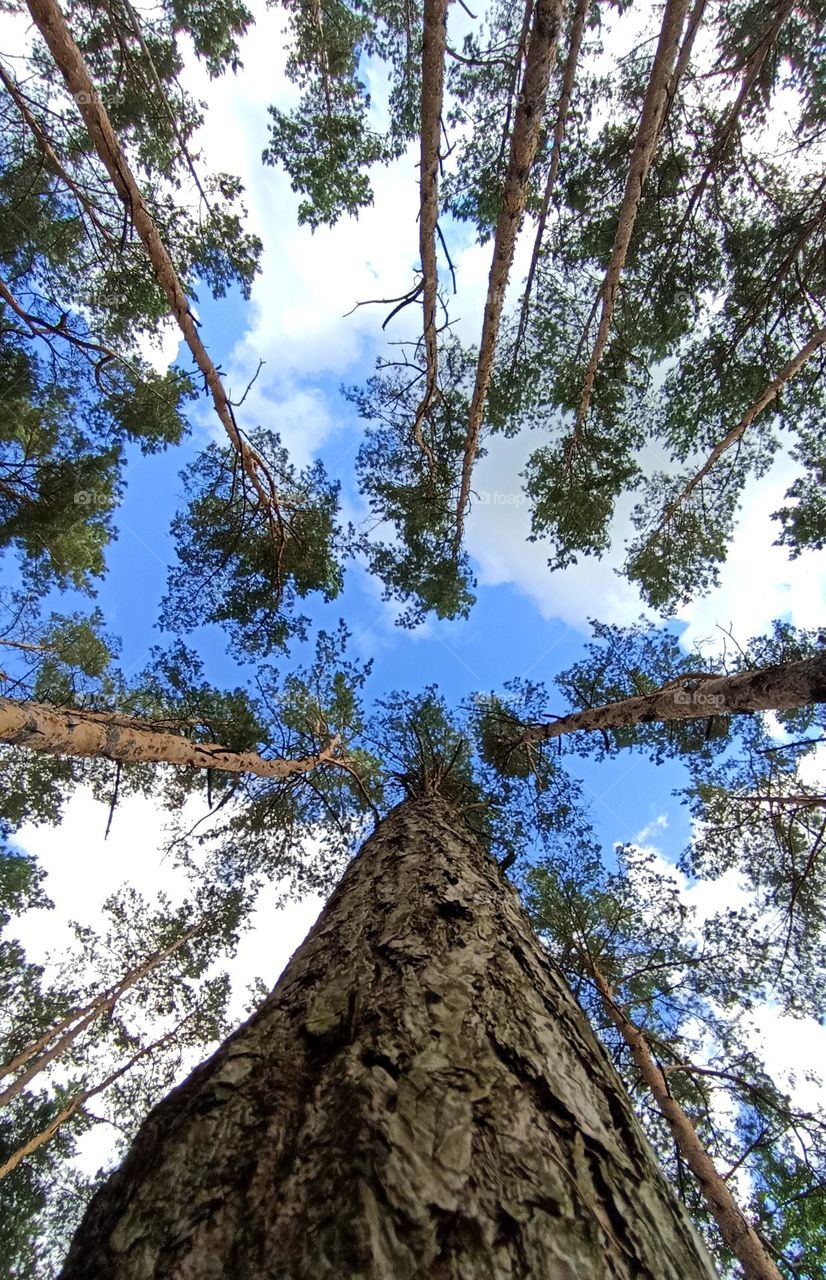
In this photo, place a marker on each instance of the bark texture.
(420, 1096)
(524, 142)
(736, 1230)
(69, 731)
(782, 687)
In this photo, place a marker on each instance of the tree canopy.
(639, 191)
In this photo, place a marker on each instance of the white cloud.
(759, 582)
(83, 869)
(497, 532)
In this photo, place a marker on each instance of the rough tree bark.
(70, 731)
(781, 687)
(420, 1096)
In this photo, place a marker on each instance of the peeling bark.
(736, 1230)
(69, 731)
(661, 83)
(782, 687)
(420, 1096)
(568, 77)
(769, 393)
(524, 141)
(51, 23)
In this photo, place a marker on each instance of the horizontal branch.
(782, 687)
(68, 731)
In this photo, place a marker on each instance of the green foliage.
(81, 296)
(723, 284)
(415, 489)
(804, 521)
(244, 566)
(329, 142)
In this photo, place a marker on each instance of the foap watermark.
(499, 498)
(90, 498)
(688, 696)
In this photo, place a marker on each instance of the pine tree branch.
(101, 734)
(781, 687)
(769, 393)
(753, 66)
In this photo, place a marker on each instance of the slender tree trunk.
(767, 395)
(695, 19)
(661, 82)
(51, 23)
(753, 67)
(433, 71)
(420, 1096)
(568, 78)
(782, 687)
(737, 1232)
(68, 731)
(79, 1100)
(35, 1057)
(524, 141)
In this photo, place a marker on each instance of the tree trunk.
(568, 77)
(71, 731)
(782, 687)
(51, 23)
(736, 1230)
(63, 1034)
(524, 142)
(433, 73)
(661, 83)
(420, 1096)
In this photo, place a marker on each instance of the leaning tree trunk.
(420, 1096)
